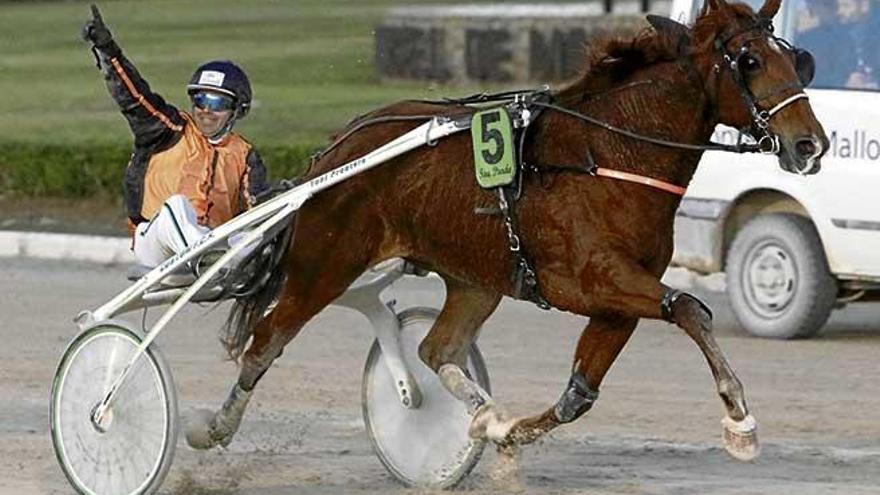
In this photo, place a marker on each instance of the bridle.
(760, 113)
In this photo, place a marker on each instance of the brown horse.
(599, 245)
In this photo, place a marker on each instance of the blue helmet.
(225, 77)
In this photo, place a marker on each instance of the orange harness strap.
(640, 179)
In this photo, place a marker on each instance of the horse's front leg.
(740, 427)
(445, 350)
(612, 284)
(598, 347)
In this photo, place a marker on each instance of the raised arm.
(154, 123)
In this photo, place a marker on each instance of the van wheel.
(778, 280)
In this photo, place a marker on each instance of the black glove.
(96, 31)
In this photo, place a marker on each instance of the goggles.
(214, 102)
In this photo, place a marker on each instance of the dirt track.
(654, 430)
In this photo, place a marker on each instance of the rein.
(532, 98)
(505, 96)
(712, 146)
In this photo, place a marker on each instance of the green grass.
(310, 63)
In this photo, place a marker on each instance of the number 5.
(490, 136)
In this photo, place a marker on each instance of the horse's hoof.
(741, 438)
(491, 423)
(198, 430)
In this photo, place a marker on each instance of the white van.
(793, 247)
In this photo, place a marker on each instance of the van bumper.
(698, 234)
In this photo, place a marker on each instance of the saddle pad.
(492, 135)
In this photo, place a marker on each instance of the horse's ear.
(770, 8)
(713, 6)
(677, 31)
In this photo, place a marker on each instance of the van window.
(843, 36)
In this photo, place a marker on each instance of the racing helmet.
(224, 77)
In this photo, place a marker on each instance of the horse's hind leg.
(316, 275)
(207, 429)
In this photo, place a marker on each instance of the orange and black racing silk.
(171, 156)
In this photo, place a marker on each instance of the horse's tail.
(248, 310)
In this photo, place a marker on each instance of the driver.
(856, 16)
(843, 41)
(189, 171)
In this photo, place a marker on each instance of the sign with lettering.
(492, 134)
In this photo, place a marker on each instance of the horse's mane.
(611, 60)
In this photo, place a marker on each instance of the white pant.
(173, 229)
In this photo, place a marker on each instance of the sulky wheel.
(130, 450)
(429, 445)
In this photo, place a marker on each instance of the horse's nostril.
(805, 147)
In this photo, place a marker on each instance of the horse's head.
(757, 81)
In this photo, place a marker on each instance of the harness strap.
(524, 278)
(784, 103)
(793, 85)
(641, 179)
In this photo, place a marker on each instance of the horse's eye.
(750, 63)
